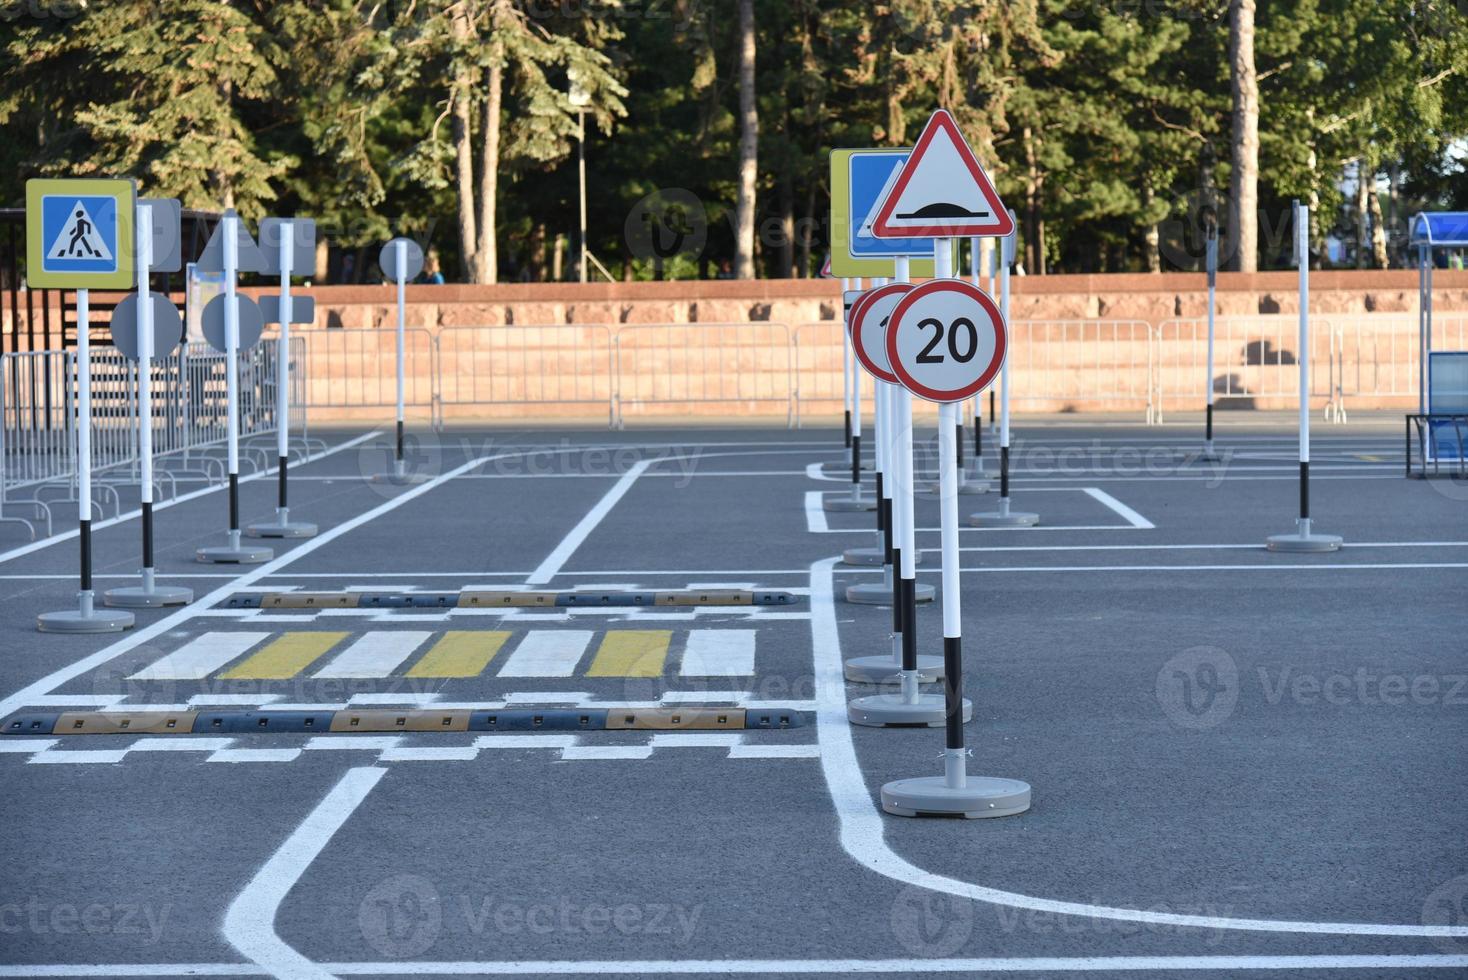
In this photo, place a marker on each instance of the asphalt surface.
(1243, 763)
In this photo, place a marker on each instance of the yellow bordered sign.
(79, 233)
(844, 260)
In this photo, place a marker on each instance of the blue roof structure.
(1440, 229)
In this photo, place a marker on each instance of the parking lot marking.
(286, 656)
(460, 653)
(547, 569)
(199, 657)
(547, 653)
(631, 653)
(375, 654)
(1129, 515)
(719, 653)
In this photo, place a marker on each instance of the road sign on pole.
(400, 260)
(942, 191)
(79, 233)
(946, 340)
(869, 316)
(852, 202)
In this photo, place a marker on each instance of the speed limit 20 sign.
(946, 340)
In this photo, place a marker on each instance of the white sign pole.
(1304, 539)
(854, 424)
(847, 364)
(143, 233)
(283, 369)
(975, 273)
(402, 266)
(230, 244)
(1212, 304)
(84, 445)
(994, 254)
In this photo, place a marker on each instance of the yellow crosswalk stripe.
(285, 657)
(631, 653)
(460, 653)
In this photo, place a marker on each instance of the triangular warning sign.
(247, 253)
(79, 238)
(942, 192)
(825, 272)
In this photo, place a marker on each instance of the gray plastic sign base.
(848, 505)
(999, 518)
(864, 556)
(968, 488)
(1304, 543)
(142, 597)
(878, 594)
(281, 529)
(978, 797)
(229, 555)
(883, 669)
(76, 621)
(883, 710)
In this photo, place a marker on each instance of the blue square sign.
(79, 234)
(870, 174)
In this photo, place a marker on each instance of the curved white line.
(862, 822)
(249, 924)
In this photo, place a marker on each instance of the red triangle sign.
(942, 192)
(825, 272)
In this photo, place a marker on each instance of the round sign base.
(1004, 517)
(142, 597)
(864, 556)
(400, 479)
(281, 529)
(968, 488)
(882, 669)
(877, 594)
(230, 555)
(76, 621)
(978, 797)
(883, 710)
(844, 468)
(848, 504)
(1304, 542)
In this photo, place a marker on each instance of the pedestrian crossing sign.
(79, 234)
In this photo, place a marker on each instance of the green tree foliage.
(1107, 126)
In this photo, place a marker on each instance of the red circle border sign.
(858, 312)
(969, 290)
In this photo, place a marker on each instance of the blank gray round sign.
(412, 260)
(167, 326)
(251, 322)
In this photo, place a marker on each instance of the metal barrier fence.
(357, 369)
(550, 365)
(38, 425)
(674, 368)
(1108, 362)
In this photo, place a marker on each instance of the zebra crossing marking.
(284, 657)
(200, 657)
(631, 653)
(553, 653)
(460, 653)
(375, 654)
(719, 653)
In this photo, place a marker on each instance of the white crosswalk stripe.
(200, 657)
(552, 653)
(375, 654)
(719, 653)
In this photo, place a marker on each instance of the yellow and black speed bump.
(378, 720)
(480, 598)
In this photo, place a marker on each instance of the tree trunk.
(1151, 237)
(487, 257)
(1378, 227)
(748, 147)
(805, 235)
(535, 260)
(786, 259)
(1243, 180)
(1363, 216)
(464, 160)
(1034, 237)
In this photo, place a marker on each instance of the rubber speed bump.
(309, 600)
(125, 723)
(387, 720)
(481, 598)
(488, 598)
(676, 719)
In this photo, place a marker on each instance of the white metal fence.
(38, 461)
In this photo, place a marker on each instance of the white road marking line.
(199, 657)
(254, 755)
(1198, 547)
(158, 627)
(524, 741)
(391, 698)
(1127, 514)
(430, 753)
(775, 752)
(1286, 963)
(170, 502)
(604, 753)
(21, 745)
(719, 653)
(695, 740)
(578, 534)
(249, 924)
(84, 757)
(175, 743)
(374, 654)
(232, 700)
(374, 743)
(547, 653)
(815, 514)
(682, 697)
(863, 833)
(548, 697)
